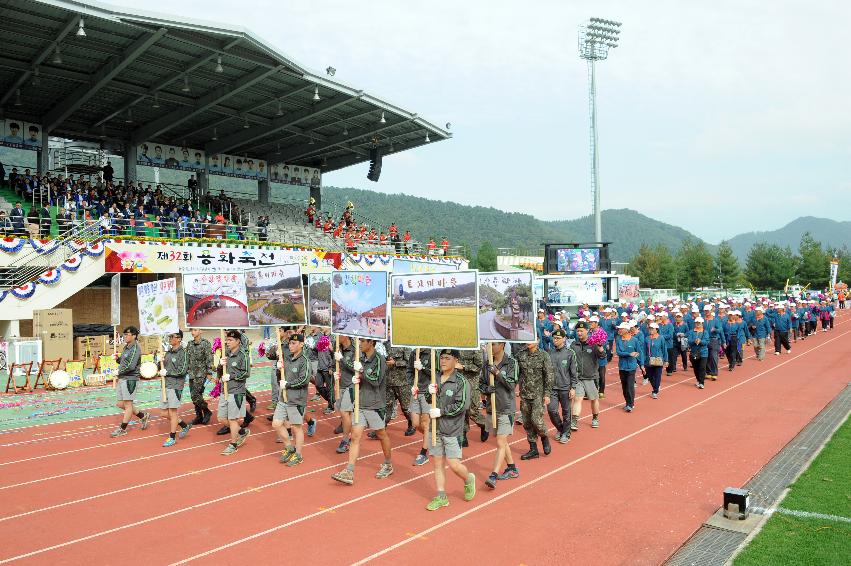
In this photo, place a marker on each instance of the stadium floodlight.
(311, 139)
(36, 77)
(156, 103)
(278, 148)
(129, 118)
(215, 134)
(18, 97)
(185, 87)
(427, 138)
(316, 97)
(245, 124)
(219, 68)
(345, 129)
(596, 37)
(280, 111)
(57, 56)
(81, 30)
(331, 71)
(382, 120)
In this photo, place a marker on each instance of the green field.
(825, 488)
(436, 326)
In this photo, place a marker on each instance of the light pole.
(596, 37)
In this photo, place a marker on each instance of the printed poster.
(359, 304)
(319, 299)
(628, 289)
(506, 307)
(215, 300)
(158, 307)
(275, 296)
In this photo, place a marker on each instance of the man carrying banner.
(470, 367)
(398, 388)
(453, 400)
(289, 414)
(370, 376)
(199, 351)
(536, 382)
(128, 379)
(346, 357)
(232, 406)
(505, 377)
(420, 397)
(175, 368)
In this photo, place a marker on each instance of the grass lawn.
(825, 487)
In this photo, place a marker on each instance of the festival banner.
(158, 307)
(215, 300)
(170, 157)
(401, 266)
(566, 291)
(156, 257)
(628, 289)
(237, 166)
(319, 299)
(506, 307)
(834, 272)
(20, 135)
(359, 304)
(435, 310)
(297, 175)
(275, 296)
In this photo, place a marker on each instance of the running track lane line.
(501, 496)
(580, 459)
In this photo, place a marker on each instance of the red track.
(631, 491)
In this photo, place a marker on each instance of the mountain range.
(625, 228)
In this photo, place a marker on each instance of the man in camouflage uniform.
(470, 366)
(536, 383)
(200, 354)
(398, 387)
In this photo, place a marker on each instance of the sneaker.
(240, 438)
(118, 432)
(311, 428)
(563, 438)
(421, 460)
(372, 435)
(776, 353)
(229, 449)
(386, 470)
(628, 408)
(789, 351)
(410, 431)
(146, 418)
(327, 411)
(700, 386)
(645, 381)
(470, 487)
(595, 422)
(601, 395)
(286, 455)
(169, 442)
(509, 474)
(344, 476)
(270, 407)
(343, 447)
(223, 431)
(184, 431)
(574, 423)
(295, 460)
(339, 429)
(491, 481)
(438, 502)
(654, 395)
(279, 440)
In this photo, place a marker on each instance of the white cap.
(633, 324)
(594, 318)
(623, 326)
(707, 307)
(698, 319)
(664, 313)
(695, 309)
(724, 306)
(651, 317)
(607, 309)
(781, 305)
(760, 309)
(654, 325)
(737, 312)
(679, 314)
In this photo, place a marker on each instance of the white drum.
(149, 370)
(59, 379)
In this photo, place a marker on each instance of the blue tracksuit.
(624, 348)
(763, 328)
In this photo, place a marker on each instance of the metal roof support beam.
(280, 123)
(209, 100)
(99, 79)
(340, 139)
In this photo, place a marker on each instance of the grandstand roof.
(126, 80)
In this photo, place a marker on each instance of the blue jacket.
(624, 348)
(699, 350)
(715, 327)
(544, 342)
(656, 348)
(782, 322)
(667, 332)
(763, 328)
(642, 348)
(743, 335)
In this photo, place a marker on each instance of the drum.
(59, 379)
(149, 370)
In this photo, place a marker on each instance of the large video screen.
(581, 260)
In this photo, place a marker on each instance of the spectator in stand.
(219, 218)
(192, 185)
(33, 222)
(17, 219)
(45, 221)
(444, 245)
(310, 212)
(108, 172)
(6, 228)
(2, 175)
(431, 246)
(263, 228)
(382, 239)
(407, 239)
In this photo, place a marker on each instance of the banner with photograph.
(506, 307)
(158, 307)
(20, 135)
(275, 296)
(628, 289)
(319, 299)
(359, 304)
(170, 156)
(298, 175)
(566, 291)
(401, 266)
(435, 310)
(215, 300)
(237, 166)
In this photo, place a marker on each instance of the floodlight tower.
(596, 37)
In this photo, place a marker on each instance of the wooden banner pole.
(433, 400)
(114, 352)
(283, 365)
(493, 393)
(162, 367)
(224, 368)
(357, 387)
(337, 381)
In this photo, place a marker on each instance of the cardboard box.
(55, 327)
(89, 348)
(150, 344)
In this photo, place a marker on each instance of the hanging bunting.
(24, 291)
(44, 246)
(95, 249)
(12, 245)
(50, 277)
(72, 263)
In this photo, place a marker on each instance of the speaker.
(374, 164)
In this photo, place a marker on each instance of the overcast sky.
(719, 117)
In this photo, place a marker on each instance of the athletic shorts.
(293, 414)
(504, 424)
(126, 390)
(419, 405)
(172, 399)
(345, 403)
(229, 409)
(587, 388)
(448, 446)
(369, 418)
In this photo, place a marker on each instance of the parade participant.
(289, 412)
(657, 357)
(453, 399)
(199, 351)
(249, 398)
(536, 382)
(731, 337)
(594, 322)
(666, 330)
(371, 378)
(587, 357)
(398, 389)
(470, 366)
(420, 398)
(128, 379)
(324, 372)
(175, 368)
(346, 357)
(272, 354)
(627, 349)
(715, 328)
(545, 329)
(743, 336)
(565, 379)
(505, 376)
(760, 333)
(698, 340)
(794, 321)
(781, 322)
(232, 407)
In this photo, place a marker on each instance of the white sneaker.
(789, 351)
(776, 353)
